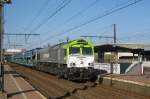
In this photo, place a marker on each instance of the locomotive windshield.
(86, 51)
(74, 51)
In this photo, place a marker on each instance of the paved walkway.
(17, 88)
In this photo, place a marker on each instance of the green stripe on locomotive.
(79, 43)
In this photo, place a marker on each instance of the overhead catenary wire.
(109, 12)
(43, 41)
(35, 17)
(37, 14)
(84, 10)
(61, 6)
(78, 13)
(99, 17)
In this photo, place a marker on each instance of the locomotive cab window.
(86, 51)
(74, 51)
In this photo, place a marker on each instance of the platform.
(133, 83)
(17, 88)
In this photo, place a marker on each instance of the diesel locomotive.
(73, 60)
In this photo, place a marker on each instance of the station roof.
(118, 48)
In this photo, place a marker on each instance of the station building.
(120, 53)
(123, 54)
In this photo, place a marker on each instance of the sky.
(55, 21)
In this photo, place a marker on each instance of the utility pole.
(114, 33)
(2, 2)
(115, 62)
(1, 49)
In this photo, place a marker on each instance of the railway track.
(54, 88)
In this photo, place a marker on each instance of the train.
(73, 60)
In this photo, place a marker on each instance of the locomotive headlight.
(91, 64)
(74, 64)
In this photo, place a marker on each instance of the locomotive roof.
(67, 44)
(78, 41)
